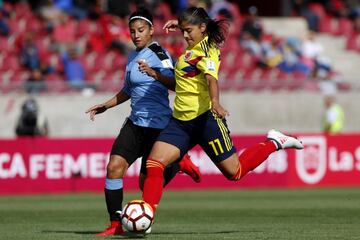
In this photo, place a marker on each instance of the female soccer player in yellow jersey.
(198, 117)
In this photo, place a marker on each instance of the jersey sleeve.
(163, 62)
(169, 72)
(210, 63)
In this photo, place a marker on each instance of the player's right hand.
(171, 25)
(97, 109)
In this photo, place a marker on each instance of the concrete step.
(345, 62)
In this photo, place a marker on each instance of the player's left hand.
(145, 68)
(219, 110)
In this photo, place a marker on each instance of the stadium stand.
(273, 60)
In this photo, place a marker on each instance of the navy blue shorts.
(207, 130)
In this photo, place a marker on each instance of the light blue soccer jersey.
(149, 97)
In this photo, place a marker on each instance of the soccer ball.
(137, 216)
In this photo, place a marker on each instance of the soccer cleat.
(188, 167)
(283, 141)
(115, 228)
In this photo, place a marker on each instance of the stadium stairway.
(344, 61)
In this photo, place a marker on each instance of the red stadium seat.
(6, 76)
(328, 24)
(17, 26)
(299, 75)
(343, 86)
(54, 77)
(353, 41)
(5, 45)
(20, 76)
(22, 9)
(345, 27)
(34, 24)
(10, 62)
(86, 27)
(119, 62)
(280, 80)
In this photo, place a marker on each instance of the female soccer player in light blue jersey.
(149, 74)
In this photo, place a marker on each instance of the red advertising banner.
(40, 165)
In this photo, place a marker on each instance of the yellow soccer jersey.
(192, 91)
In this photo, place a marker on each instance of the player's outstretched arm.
(119, 98)
(171, 25)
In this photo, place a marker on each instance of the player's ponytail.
(215, 29)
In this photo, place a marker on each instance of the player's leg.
(234, 167)
(188, 167)
(162, 154)
(217, 143)
(150, 138)
(169, 173)
(123, 154)
(113, 190)
(184, 165)
(253, 156)
(172, 143)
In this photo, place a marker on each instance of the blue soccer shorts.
(207, 130)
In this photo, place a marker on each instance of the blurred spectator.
(271, 54)
(29, 55)
(293, 61)
(31, 122)
(301, 8)
(50, 14)
(333, 120)
(312, 52)
(177, 6)
(250, 44)
(252, 25)
(311, 48)
(69, 7)
(220, 8)
(35, 83)
(73, 68)
(4, 28)
(337, 8)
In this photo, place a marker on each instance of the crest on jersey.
(188, 56)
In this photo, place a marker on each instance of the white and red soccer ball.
(137, 216)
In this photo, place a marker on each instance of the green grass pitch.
(241, 214)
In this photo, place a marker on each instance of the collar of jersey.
(147, 46)
(205, 39)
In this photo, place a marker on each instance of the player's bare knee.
(116, 167)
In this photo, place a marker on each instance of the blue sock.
(113, 197)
